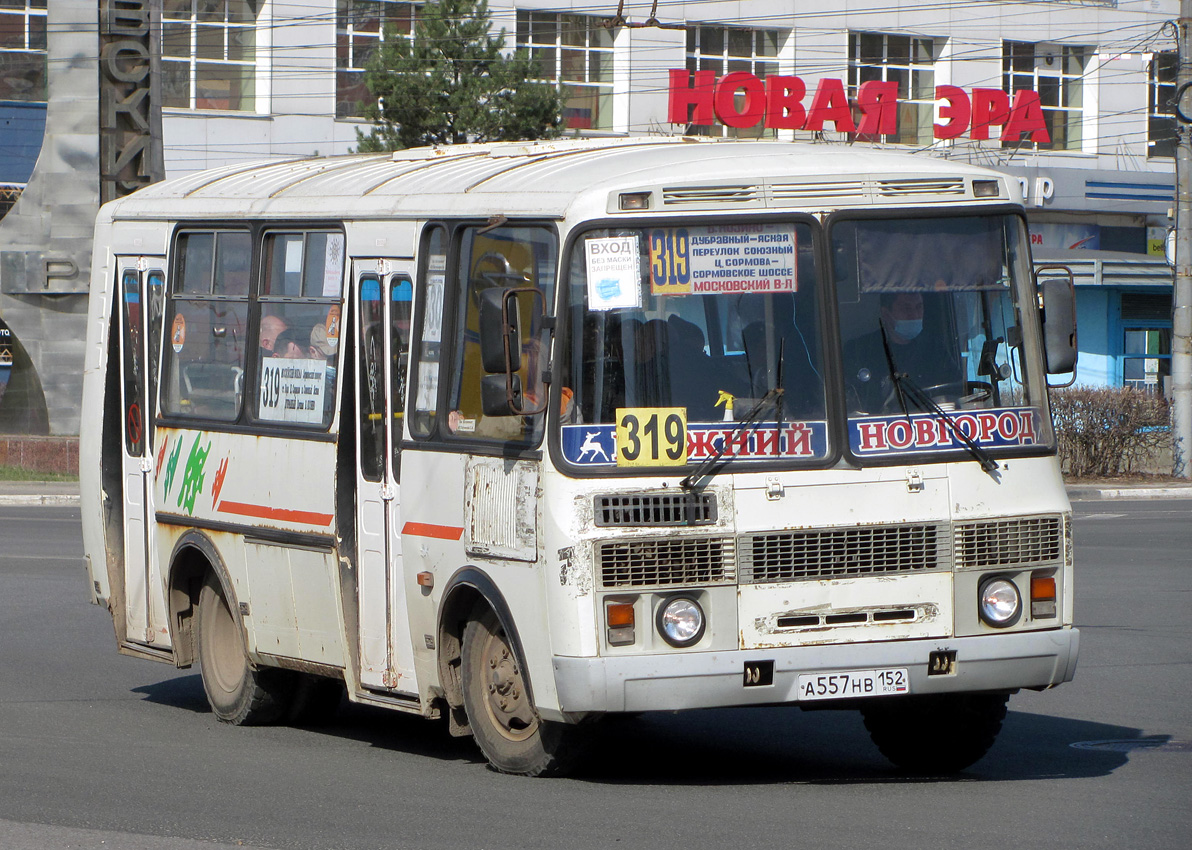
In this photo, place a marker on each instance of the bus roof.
(555, 178)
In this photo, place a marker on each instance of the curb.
(27, 500)
(1131, 493)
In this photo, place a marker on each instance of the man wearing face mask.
(923, 358)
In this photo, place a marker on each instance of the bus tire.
(500, 712)
(937, 733)
(238, 694)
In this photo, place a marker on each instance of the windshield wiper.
(712, 464)
(906, 387)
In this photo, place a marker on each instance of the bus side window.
(206, 320)
(425, 376)
(299, 328)
(507, 257)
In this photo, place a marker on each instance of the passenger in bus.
(291, 344)
(914, 353)
(651, 373)
(690, 370)
(271, 326)
(803, 389)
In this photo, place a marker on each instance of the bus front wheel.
(500, 712)
(238, 694)
(936, 733)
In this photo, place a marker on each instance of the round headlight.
(681, 621)
(1000, 602)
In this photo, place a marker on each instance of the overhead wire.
(319, 16)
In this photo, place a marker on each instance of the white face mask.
(908, 328)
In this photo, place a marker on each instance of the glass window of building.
(1161, 136)
(1146, 341)
(724, 50)
(576, 53)
(361, 25)
(1056, 72)
(908, 61)
(209, 54)
(23, 50)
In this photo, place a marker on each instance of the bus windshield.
(680, 333)
(936, 353)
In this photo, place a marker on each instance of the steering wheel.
(965, 392)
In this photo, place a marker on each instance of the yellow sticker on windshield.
(670, 261)
(651, 436)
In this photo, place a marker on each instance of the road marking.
(1101, 516)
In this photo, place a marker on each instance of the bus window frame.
(839, 427)
(437, 437)
(828, 345)
(244, 424)
(174, 295)
(263, 233)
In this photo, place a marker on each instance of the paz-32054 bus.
(530, 434)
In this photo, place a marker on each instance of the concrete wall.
(45, 240)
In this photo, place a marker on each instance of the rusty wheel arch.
(193, 557)
(468, 592)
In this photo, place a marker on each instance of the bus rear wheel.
(937, 733)
(502, 716)
(238, 694)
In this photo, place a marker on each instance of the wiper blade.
(712, 464)
(904, 385)
(925, 402)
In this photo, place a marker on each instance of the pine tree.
(451, 83)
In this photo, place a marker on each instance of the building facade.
(1069, 97)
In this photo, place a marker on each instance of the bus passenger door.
(141, 295)
(385, 292)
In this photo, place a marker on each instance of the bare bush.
(1109, 431)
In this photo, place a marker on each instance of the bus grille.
(1007, 542)
(655, 509)
(662, 562)
(842, 553)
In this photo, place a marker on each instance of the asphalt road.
(102, 751)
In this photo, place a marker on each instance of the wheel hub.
(506, 698)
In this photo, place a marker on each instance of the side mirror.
(498, 398)
(498, 339)
(1058, 302)
(501, 345)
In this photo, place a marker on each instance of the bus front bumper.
(671, 682)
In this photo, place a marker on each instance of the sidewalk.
(39, 493)
(67, 492)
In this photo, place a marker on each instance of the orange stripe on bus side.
(282, 514)
(439, 532)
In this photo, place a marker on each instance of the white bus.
(530, 434)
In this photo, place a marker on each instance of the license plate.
(850, 684)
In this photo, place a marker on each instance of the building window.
(575, 53)
(23, 50)
(1056, 72)
(360, 26)
(1146, 341)
(724, 50)
(908, 61)
(1162, 138)
(209, 54)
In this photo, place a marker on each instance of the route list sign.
(292, 390)
(723, 259)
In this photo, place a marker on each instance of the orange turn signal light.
(1042, 588)
(619, 614)
(1043, 597)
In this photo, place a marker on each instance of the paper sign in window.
(614, 272)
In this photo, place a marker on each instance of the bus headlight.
(681, 621)
(999, 602)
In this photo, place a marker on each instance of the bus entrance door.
(141, 294)
(385, 294)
